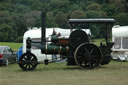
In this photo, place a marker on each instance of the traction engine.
(77, 48)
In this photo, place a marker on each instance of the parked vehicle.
(120, 39)
(7, 56)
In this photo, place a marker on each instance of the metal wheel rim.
(88, 63)
(28, 63)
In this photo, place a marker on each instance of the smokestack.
(43, 29)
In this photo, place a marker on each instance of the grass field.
(97, 41)
(115, 73)
(14, 46)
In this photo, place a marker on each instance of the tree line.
(16, 16)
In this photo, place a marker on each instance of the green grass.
(14, 46)
(115, 73)
(98, 41)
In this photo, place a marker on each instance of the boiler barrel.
(54, 49)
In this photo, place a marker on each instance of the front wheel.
(28, 62)
(88, 55)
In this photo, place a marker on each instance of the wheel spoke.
(86, 51)
(92, 51)
(80, 53)
(25, 66)
(29, 66)
(31, 58)
(94, 56)
(32, 64)
(25, 57)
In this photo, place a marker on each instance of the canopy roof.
(100, 20)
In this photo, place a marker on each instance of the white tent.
(35, 34)
(120, 39)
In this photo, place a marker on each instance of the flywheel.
(78, 37)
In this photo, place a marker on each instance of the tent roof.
(120, 31)
(36, 32)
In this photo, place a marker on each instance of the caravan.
(120, 39)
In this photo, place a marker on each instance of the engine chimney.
(43, 29)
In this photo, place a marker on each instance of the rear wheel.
(88, 56)
(28, 62)
(6, 62)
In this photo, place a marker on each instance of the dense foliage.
(18, 15)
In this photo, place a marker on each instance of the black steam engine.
(78, 49)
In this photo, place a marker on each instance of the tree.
(32, 17)
(74, 7)
(36, 5)
(58, 4)
(95, 14)
(18, 15)
(110, 10)
(77, 14)
(120, 4)
(20, 24)
(7, 33)
(21, 8)
(122, 19)
(94, 7)
(5, 6)
(5, 17)
(50, 20)
(61, 19)
(102, 1)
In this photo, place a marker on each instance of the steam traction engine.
(77, 48)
